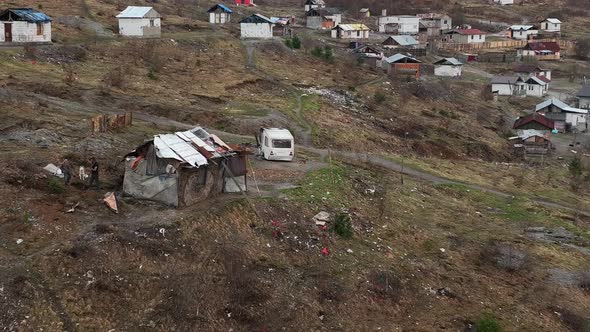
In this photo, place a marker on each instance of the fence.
(499, 44)
(103, 123)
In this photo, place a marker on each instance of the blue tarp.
(223, 7)
(29, 15)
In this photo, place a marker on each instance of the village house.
(527, 70)
(282, 26)
(350, 31)
(536, 86)
(551, 25)
(400, 41)
(465, 36)
(245, 3)
(140, 22)
(402, 65)
(522, 32)
(503, 2)
(399, 24)
(318, 19)
(508, 86)
(364, 12)
(449, 67)
(219, 14)
(184, 168)
(540, 51)
(370, 55)
(442, 21)
(564, 116)
(531, 144)
(24, 25)
(583, 97)
(534, 121)
(313, 4)
(256, 26)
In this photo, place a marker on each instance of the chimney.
(384, 12)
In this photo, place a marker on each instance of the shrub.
(152, 74)
(55, 186)
(575, 167)
(317, 51)
(289, 43)
(487, 323)
(343, 225)
(380, 97)
(328, 53)
(296, 42)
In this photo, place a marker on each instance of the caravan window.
(281, 143)
(266, 141)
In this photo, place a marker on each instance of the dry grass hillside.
(468, 239)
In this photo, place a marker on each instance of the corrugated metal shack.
(184, 168)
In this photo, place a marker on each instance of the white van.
(276, 144)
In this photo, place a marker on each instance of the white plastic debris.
(442, 250)
(19, 241)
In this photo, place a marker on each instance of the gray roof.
(136, 12)
(449, 61)
(584, 91)
(399, 57)
(506, 79)
(404, 40)
(553, 20)
(559, 104)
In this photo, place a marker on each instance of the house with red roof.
(534, 121)
(541, 51)
(465, 36)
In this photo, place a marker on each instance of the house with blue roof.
(219, 14)
(24, 25)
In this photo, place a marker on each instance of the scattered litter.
(163, 232)
(111, 201)
(268, 245)
(54, 170)
(442, 249)
(82, 173)
(479, 213)
(73, 209)
(349, 251)
(447, 292)
(325, 251)
(19, 241)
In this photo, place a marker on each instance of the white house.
(140, 22)
(400, 41)
(551, 25)
(465, 36)
(399, 24)
(536, 86)
(256, 26)
(522, 32)
(448, 67)
(564, 116)
(24, 25)
(219, 14)
(441, 21)
(313, 4)
(350, 31)
(508, 86)
(504, 2)
(526, 70)
(584, 97)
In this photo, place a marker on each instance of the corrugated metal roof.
(352, 27)
(399, 57)
(553, 20)
(404, 40)
(535, 80)
(528, 133)
(449, 61)
(223, 7)
(28, 14)
(521, 27)
(135, 12)
(559, 104)
(533, 117)
(257, 18)
(184, 146)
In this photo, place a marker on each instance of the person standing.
(93, 173)
(66, 170)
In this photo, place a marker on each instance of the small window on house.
(152, 23)
(39, 29)
(358, 33)
(445, 22)
(266, 141)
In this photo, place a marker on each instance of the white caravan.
(276, 144)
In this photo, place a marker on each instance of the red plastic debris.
(325, 251)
